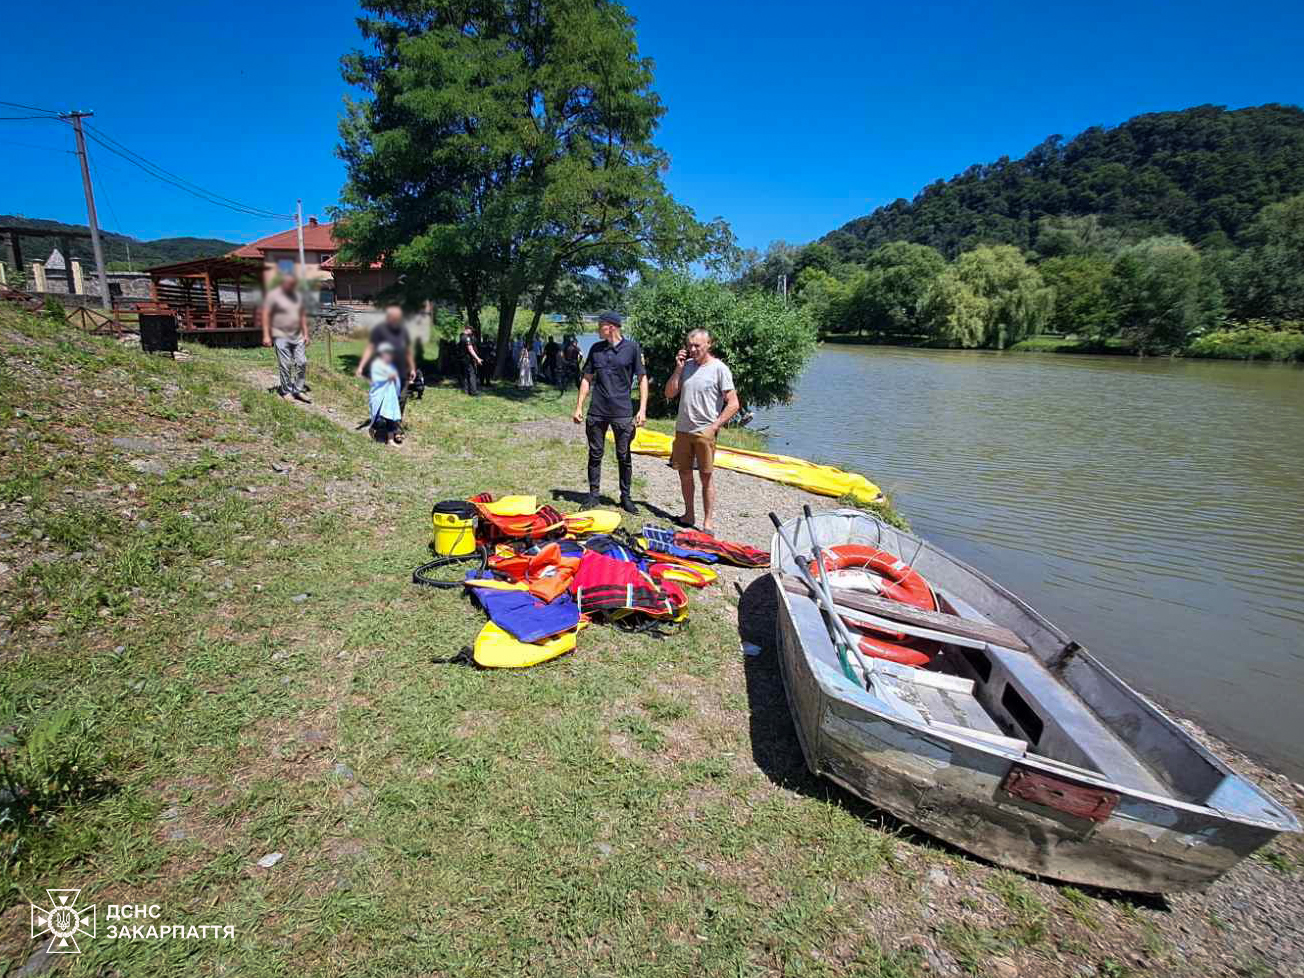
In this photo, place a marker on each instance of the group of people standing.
(547, 361)
(388, 361)
(702, 383)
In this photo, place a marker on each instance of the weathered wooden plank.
(951, 624)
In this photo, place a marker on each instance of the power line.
(238, 208)
(121, 231)
(95, 171)
(105, 141)
(181, 183)
(31, 108)
(264, 227)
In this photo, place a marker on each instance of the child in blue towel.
(383, 396)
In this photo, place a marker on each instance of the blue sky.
(785, 119)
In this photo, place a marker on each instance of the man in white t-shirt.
(707, 400)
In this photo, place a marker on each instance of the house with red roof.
(359, 284)
(280, 252)
(352, 284)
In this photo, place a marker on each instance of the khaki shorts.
(689, 449)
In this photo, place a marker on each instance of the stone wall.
(73, 301)
(129, 285)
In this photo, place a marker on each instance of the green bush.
(1255, 340)
(765, 341)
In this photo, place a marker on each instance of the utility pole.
(299, 227)
(76, 118)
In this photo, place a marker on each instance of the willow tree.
(1164, 293)
(990, 297)
(503, 146)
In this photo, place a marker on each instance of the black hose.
(419, 576)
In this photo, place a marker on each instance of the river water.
(1154, 509)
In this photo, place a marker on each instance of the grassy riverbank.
(1063, 344)
(214, 585)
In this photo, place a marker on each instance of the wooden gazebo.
(206, 296)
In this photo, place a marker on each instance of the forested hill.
(160, 251)
(1200, 173)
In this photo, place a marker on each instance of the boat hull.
(956, 790)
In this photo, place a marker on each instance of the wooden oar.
(909, 620)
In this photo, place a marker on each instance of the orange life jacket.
(546, 574)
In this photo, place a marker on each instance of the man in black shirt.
(392, 331)
(471, 362)
(550, 351)
(609, 372)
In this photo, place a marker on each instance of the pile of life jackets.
(547, 576)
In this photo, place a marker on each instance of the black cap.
(611, 317)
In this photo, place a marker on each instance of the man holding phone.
(707, 400)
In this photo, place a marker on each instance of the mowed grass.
(232, 624)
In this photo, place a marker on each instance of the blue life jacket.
(516, 611)
(662, 540)
(610, 547)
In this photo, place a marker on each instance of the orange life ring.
(919, 652)
(901, 582)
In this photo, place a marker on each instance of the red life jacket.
(546, 574)
(738, 554)
(604, 584)
(543, 524)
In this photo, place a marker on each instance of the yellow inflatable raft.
(823, 480)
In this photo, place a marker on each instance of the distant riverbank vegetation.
(1174, 232)
(1092, 287)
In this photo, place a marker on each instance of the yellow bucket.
(454, 526)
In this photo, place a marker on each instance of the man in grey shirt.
(707, 400)
(285, 326)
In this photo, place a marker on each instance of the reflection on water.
(1153, 509)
